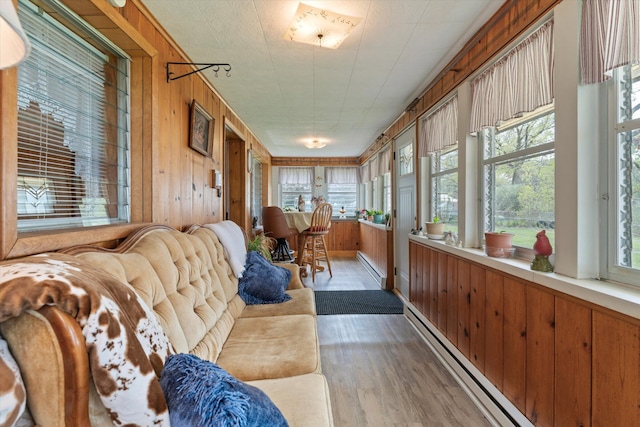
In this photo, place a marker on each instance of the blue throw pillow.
(263, 282)
(201, 394)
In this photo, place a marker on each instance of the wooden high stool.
(314, 249)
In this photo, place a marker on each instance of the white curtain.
(296, 176)
(439, 129)
(363, 174)
(610, 37)
(341, 175)
(519, 82)
(373, 167)
(384, 162)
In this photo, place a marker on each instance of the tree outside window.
(519, 177)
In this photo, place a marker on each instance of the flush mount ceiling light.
(315, 144)
(313, 25)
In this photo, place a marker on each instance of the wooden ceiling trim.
(315, 161)
(108, 20)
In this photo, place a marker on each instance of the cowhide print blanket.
(125, 342)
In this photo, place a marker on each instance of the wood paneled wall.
(559, 360)
(315, 161)
(342, 239)
(376, 245)
(170, 183)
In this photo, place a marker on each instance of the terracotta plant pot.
(498, 245)
(435, 228)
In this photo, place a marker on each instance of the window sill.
(374, 225)
(619, 297)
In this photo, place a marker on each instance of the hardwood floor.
(380, 371)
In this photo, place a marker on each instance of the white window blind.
(72, 127)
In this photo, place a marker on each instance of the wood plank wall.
(170, 183)
(342, 240)
(376, 245)
(560, 360)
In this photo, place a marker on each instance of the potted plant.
(369, 214)
(498, 244)
(261, 244)
(378, 217)
(435, 227)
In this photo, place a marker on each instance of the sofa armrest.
(49, 348)
(295, 282)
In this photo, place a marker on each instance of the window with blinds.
(256, 190)
(72, 124)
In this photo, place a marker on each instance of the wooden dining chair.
(314, 249)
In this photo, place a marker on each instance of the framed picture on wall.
(201, 130)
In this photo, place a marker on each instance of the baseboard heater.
(377, 276)
(498, 410)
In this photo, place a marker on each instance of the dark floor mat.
(358, 302)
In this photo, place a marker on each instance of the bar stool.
(314, 249)
(275, 226)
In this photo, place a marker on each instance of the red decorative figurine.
(542, 245)
(542, 249)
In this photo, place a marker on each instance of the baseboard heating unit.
(377, 276)
(498, 410)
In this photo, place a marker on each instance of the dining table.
(298, 220)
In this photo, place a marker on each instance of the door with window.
(405, 214)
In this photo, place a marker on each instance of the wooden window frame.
(144, 66)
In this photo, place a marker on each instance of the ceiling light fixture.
(315, 144)
(319, 26)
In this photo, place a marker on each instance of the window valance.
(439, 129)
(373, 167)
(610, 37)
(296, 175)
(384, 162)
(363, 174)
(341, 175)
(519, 82)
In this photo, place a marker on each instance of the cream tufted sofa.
(186, 280)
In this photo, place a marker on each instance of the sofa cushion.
(201, 394)
(263, 282)
(302, 302)
(271, 347)
(303, 400)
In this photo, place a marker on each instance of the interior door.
(405, 212)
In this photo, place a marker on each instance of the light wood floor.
(380, 371)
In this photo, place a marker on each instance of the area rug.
(358, 302)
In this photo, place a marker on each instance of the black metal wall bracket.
(201, 67)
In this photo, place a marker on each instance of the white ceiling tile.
(286, 91)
